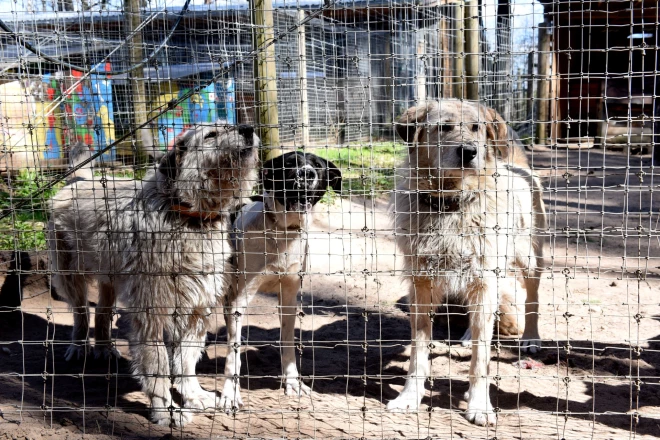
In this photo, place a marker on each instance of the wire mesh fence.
(260, 219)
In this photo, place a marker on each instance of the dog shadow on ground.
(341, 357)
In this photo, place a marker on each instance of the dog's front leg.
(74, 289)
(288, 292)
(482, 317)
(152, 366)
(103, 347)
(236, 304)
(420, 297)
(531, 340)
(189, 341)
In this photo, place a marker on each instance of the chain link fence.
(124, 84)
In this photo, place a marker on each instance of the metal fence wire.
(329, 219)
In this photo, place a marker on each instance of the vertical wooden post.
(530, 86)
(472, 49)
(420, 71)
(544, 84)
(143, 139)
(266, 79)
(389, 106)
(656, 133)
(459, 50)
(302, 74)
(443, 39)
(554, 110)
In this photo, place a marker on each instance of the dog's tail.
(79, 153)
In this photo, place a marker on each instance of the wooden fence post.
(143, 138)
(544, 83)
(472, 49)
(530, 86)
(459, 50)
(302, 74)
(266, 79)
(420, 70)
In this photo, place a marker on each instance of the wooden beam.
(543, 84)
(472, 49)
(656, 133)
(530, 85)
(266, 79)
(302, 74)
(143, 140)
(420, 71)
(443, 41)
(459, 50)
(555, 111)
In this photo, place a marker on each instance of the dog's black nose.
(467, 153)
(247, 131)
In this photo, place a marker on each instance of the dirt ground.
(598, 376)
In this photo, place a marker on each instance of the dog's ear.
(268, 168)
(334, 176)
(408, 125)
(498, 134)
(333, 173)
(496, 128)
(168, 163)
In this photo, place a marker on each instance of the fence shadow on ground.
(337, 361)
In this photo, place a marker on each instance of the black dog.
(271, 251)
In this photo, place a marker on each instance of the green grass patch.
(122, 174)
(22, 234)
(24, 229)
(367, 170)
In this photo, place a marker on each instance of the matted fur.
(474, 251)
(168, 267)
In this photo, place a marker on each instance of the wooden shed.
(603, 70)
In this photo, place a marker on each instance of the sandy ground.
(598, 376)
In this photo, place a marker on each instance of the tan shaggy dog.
(468, 215)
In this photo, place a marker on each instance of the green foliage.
(367, 170)
(123, 174)
(19, 192)
(24, 229)
(25, 235)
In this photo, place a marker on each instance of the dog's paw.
(530, 344)
(201, 400)
(466, 339)
(76, 352)
(480, 411)
(231, 397)
(406, 402)
(106, 352)
(177, 419)
(169, 415)
(296, 388)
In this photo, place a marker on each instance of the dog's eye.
(211, 135)
(445, 127)
(475, 127)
